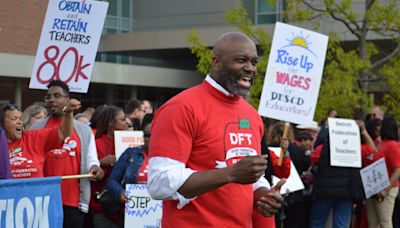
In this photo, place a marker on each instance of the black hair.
(131, 105)
(96, 114)
(322, 137)
(60, 84)
(389, 129)
(136, 124)
(371, 126)
(147, 119)
(105, 117)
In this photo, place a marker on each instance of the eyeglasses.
(55, 95)
(11, 107)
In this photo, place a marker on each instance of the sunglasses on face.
(47, 97)
(11, 107)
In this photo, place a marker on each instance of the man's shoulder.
(187, 97)
(83, 130)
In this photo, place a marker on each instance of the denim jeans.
(340, 217)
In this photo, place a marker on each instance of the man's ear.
(216, 64)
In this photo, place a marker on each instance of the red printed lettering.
(56, 64)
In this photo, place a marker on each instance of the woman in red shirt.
(380, 208)
(109, 120)
(27, 149)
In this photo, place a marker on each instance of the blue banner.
(31, 202)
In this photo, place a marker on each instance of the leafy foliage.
(348, 74)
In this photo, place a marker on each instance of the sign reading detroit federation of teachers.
(344, 143)
(293, 76)
(68, 44)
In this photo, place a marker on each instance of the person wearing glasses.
(77, 155)
(131, 166)
(110, 119)
(27, 149)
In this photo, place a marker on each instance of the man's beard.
(230, 82)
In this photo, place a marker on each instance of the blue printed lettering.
(70, 25)
(36, 214)
(70, 6)
(285, 58)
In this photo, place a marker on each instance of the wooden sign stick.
(89, 175)
(284, 136)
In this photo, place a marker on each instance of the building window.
(119, 17)
(267, 12)
(118, 20)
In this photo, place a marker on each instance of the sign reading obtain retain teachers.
(68, 44)
(293, 74)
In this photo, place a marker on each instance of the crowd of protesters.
(37, 143)
(49, 140)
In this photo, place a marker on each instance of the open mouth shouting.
(245, 82)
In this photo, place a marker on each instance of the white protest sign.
(293, 182)
(293, 75)
(141, 210)
(126, 139)
(344, 142)
(374, 177)
(68, 44)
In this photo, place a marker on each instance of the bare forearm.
(368, 140)
(394, 178)
(202, 182)
(246, 171)
(66, 127)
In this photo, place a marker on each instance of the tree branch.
(354, 32)
(386, 58)
(309, 5)
(333, 15)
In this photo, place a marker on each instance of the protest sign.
(31, 202)
(293, 182)
(141, 210)
(344, 142)
(374, 177)
(293, 75)
(126, 139)
(68, 44)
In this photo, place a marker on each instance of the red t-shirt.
(65, 160)
(390, 149)
(105, 146)
(367, 155)
(206, 129)
(28, 154)
(141, 177)
(282, 171)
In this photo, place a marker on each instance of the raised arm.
(364, 134)
(67, 125)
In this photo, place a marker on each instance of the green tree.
(348, 74)
(366, 65)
